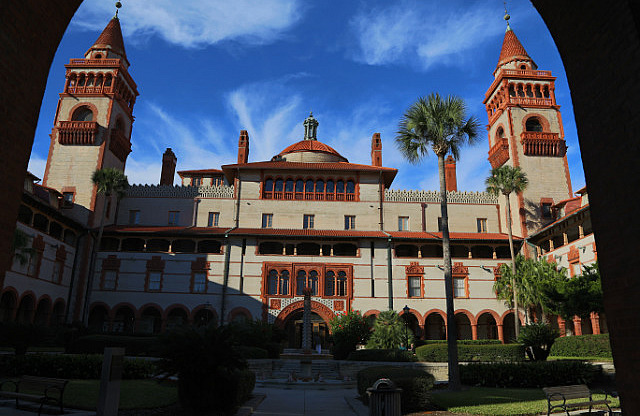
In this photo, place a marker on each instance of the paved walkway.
(285, 402)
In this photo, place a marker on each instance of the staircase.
(327, 368)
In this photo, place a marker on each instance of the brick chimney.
(169, 161)
(450, 174)
(243, 147)
(376, 150)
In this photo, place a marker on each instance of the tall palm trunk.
(452, 331)
(92, 263)
(516, 319)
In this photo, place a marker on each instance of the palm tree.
(439, 124)
(109, 182)
(506, 180)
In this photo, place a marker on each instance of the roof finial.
(310, 127)
(118, 5)
(506, 16)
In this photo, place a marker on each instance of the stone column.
(474, 331)
(306, 320)
(501, 333)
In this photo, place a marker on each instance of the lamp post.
(406, 324)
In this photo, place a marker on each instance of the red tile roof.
(387, 173)
(202, 172)
(311, 146)
(111, 38)
(512, 48)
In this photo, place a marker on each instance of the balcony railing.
(77, 132)
(499, 153)
(536, 143)
(526, 72)
(105, 62)
(530, 101)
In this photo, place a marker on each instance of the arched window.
(533, 124)
(268, 188)
(108, 80)
(309, 186)
(272, 282)
(329, 283)
(299, 186)
(278, 185)
(83, 113)
(313, 282)
(81, 80)
(500, 133)
(288, 187)
(284, 282)
(341, 284)
(340, 187)
(301, 282)
(351, 187)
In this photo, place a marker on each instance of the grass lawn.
(497, 401)
(134, 394)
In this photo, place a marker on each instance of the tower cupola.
(310, 128)
(110, 44)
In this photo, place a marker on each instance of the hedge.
(529, 374)
(70, 366)
(464, 341)
(469, 352)
(415, 384)
(381, 355)
(582, 346)
(133, 345)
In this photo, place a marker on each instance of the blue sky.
(207, 69)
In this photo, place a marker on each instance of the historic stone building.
(241, 241)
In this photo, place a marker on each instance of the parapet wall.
(456, 197)
(163, 191)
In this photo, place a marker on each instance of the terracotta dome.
(311, 151)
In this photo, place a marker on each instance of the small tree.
(108, 182)
(388, 331)
(348, 329)
(506, 180)
(20, 246)
(579, 295)
(538, 339)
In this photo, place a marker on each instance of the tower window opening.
(529, 91)
(546, 92)
(523, 67)
(537, 91)
(533, 124)
(520, 90)
(512, 91)
(98, 56)
(82, 114)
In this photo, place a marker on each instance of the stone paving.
(309, 402)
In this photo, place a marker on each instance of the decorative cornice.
(414, 268)
(396, 195)
(155, 191)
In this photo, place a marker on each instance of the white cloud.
(37, 165)
(196, 23)
(422, 33)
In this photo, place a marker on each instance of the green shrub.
(415, 384)
(253, 352)
(538, 339)
(133, 345)
(258, 334)
(582, 346)
(464, 341)
(389, 332)
(21, 336)
(529, 374)
(348, 329)
(70, 366)
(469, 352)
(381, 355)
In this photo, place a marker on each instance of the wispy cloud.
(422, 34)
(196, 23)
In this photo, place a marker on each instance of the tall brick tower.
(92, 126)
(525, 130)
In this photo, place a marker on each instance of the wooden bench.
(43, 390)
(557, 398)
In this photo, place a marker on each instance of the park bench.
(43, 390)
(558, 396)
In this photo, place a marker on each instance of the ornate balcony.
(77, 132)
(526, 72)
(530, 101)
(499, 153)
(119, 145)
(543, 144)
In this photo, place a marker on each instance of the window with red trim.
(330, 189)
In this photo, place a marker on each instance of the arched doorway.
(124, 320)
(464, 326)
(43, 311)
(487, 327)
(99, 318)
(24, 314)
(412, 325)
(150, 321)
(7, 306)
(319, 330)
(434, 327)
